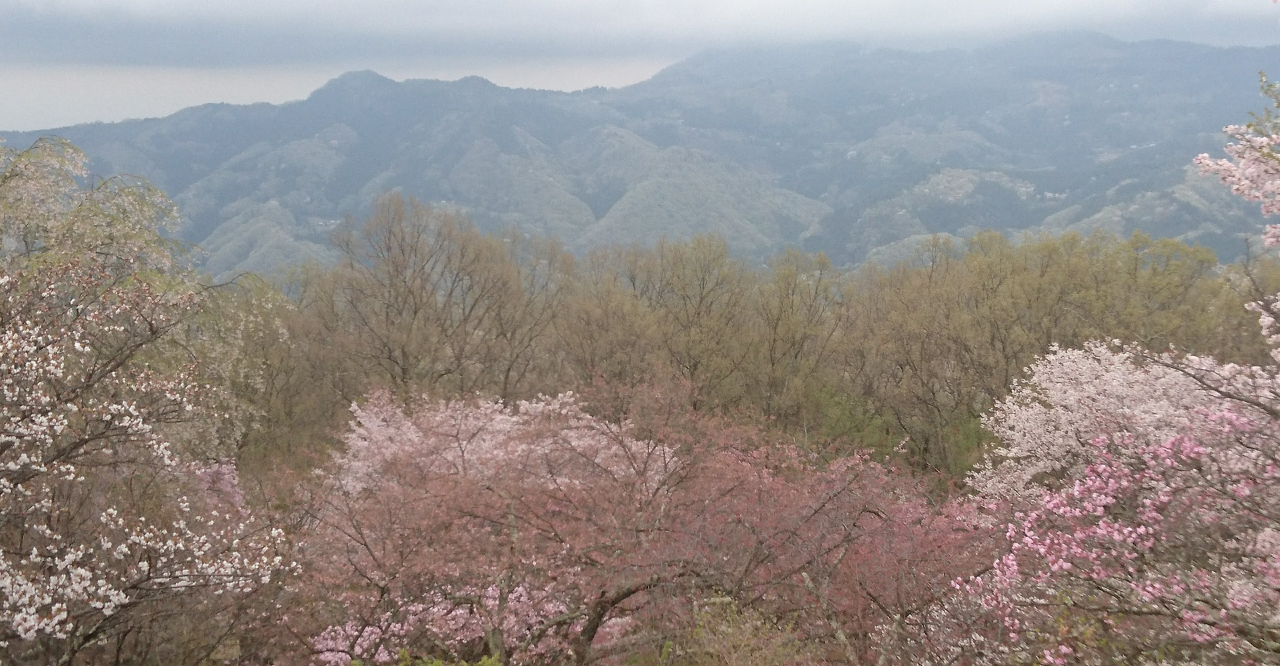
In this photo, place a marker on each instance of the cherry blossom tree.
(1145, 504)
(1139, 495)
(102, 517)
(541, 534)
(1139, 501)
(1252, 167)
(46, 210)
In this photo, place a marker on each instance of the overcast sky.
(71, 61)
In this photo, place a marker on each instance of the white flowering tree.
(102, 518)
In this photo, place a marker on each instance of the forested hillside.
(423, 302)
(830, 148)
(596, 398)
(451, 447)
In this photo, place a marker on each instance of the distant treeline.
(898, 359)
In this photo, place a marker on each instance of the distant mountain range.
(827, 147)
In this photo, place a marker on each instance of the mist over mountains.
(825, 147)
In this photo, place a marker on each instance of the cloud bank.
(78, 60)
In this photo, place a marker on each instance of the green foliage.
(724, 634)
(941, 337)
(406, 659)
(900, 360)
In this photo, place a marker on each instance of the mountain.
(826, 147)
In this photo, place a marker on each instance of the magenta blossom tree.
(1139, 495)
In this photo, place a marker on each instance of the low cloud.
(70, 61)
(239, 33)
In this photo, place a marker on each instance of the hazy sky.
(70, 61)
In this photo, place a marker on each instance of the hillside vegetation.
(449, 446)
(599, 402)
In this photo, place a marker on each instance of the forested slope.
(1063, 450)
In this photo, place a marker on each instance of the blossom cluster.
(100, 513)
(537, 533)
(1140, 495)
(1252, 172)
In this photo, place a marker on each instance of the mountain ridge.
(830, 147)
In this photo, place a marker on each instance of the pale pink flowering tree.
(541, 534)
(464, 528)
(1252, 169)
